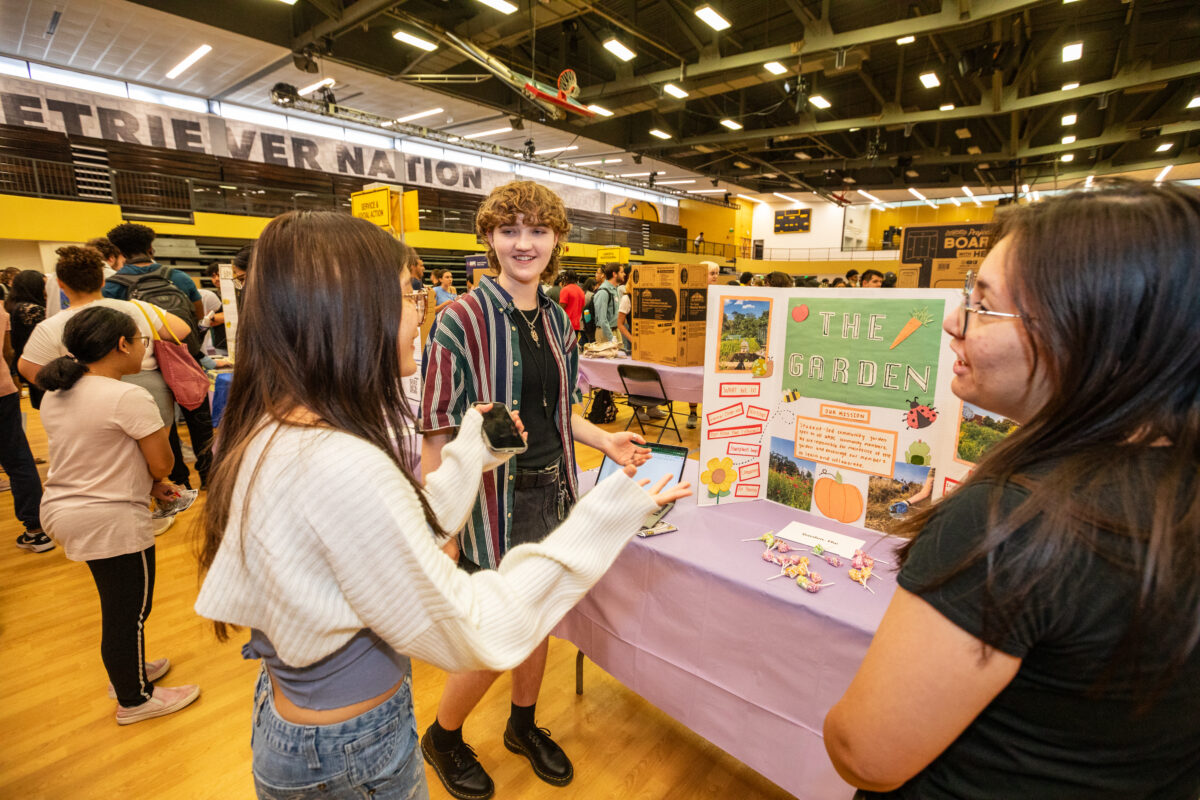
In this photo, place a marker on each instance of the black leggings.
(126, 587)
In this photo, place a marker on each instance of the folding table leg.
(578, 672)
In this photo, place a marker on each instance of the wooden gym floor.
(60, 739)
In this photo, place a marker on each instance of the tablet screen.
(665, 459)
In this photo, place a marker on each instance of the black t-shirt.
(539, 381)
(1053, 732)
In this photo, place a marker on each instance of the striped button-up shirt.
(473, 356)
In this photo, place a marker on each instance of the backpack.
(155, 287)
(588, 320)
(603, 408)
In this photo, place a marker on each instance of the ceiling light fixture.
(492, 132)
(659, 134)
(1069, 86)
(1194, 102)
(588, 163)
(675, 91)
(289, 2)
(503, 6)
(612, 161)
(634, 175)
(774, 67)
(803, 156)
(617, 49)
(563, 149)
(676, 183)
(819, 101)
(197, 54)
(751, 199)
(1072, 52)
(733, 126)
(601, 110)
(415, 41)
(1163, 174)
(1068, 119)
(784, 197)
(870, 197)
(930, 80)
(712, 18)
(707, 191)
(1024, 188)
(421, 115)
(1164, 147)
(967, 191)
(1069, 139)
(1088, 182)
(1068, 157)
(931, 204)
(946, 107)
(741, 165)
(312, 87)
(903, 40)
(916, 194)
(956, 201)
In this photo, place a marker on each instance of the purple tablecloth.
(689, 622)
(683, 384)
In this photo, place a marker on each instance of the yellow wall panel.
(713, 221)
(229, 226)
(904, 216)
(35, 218)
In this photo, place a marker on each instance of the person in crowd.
(16, 459)
(114, 259)
(1042, 642)
(839, 283)
(852, 277)
(7, 276)
(108, 456)
(625, 317)
(572, 300)
(889, 280)
(714, 272)
(470, 280)
(554, 289)
(824, 283)
(606, 301)
(698, 241)
(26, 307)
(589, 314)
(81, 276)
(780, 280)
(213, 324)
(746, 278)
(136, 243)
(534, 370)
(418, 275)
(443, 292)
(320, 540)
(871, 279)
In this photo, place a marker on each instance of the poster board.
(938, 256)
(834, 402)
(229, 308)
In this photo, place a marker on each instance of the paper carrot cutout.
(919, 318)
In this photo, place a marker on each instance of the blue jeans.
(373, 755)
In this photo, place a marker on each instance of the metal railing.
(36, 177)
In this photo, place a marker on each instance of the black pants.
(541, 500)
(126, 587)
(200, 431)
(17, 460)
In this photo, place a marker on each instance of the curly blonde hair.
(538, 205)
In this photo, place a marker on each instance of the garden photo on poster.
(890, 499)
(789, 479)
(745, 330)
(980, 431)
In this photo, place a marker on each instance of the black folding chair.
(647, 392)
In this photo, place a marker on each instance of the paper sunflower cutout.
(719, 477)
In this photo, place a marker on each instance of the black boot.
(459, 769)
(549, 761)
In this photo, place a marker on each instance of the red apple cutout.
(800, 313)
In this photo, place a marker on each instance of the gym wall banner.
(939, 256)
(30, 104)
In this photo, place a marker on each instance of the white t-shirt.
(46, 342)
(97, 493)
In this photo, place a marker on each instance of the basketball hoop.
(568, 84)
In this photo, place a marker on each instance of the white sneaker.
(658, 413)
(693, 421)
(161, 525)
(164, 701)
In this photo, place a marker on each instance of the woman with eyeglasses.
(1042, 642)
(108, 455)
(320, 540)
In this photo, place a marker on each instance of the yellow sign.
(373, 205)
(612, 255)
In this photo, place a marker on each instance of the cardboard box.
(939, 256)
(670, 306)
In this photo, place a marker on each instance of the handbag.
(187, 381)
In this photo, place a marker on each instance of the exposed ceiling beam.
(356, 14)
(253, 77)
(1139, 76)
(816, 41)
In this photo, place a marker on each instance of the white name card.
(812, 536)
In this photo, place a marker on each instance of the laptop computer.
(665, 459)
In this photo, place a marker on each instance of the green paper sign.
(869, 352)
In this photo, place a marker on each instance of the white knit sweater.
(334, 540)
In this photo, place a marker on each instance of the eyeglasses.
(963, 316)
(417, 297)
(145, 340)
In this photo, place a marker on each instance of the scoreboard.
(794, 220)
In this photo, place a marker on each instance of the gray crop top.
(362, 668)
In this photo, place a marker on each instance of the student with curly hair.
(507, 342)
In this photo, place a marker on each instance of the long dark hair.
(1108, 283)
(89, 336)
(319, 330)
(29, 286)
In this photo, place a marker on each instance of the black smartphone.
(501, 432)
